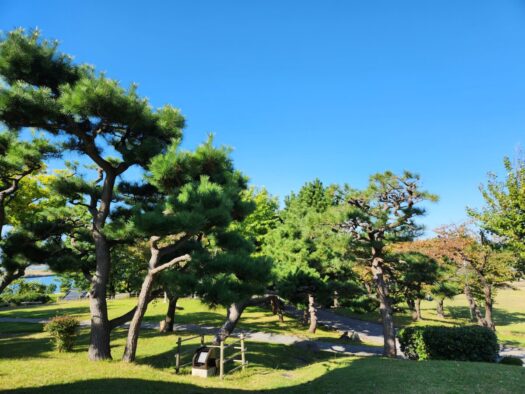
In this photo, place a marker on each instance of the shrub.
(509, 360)
(470, 343)
(63, 330)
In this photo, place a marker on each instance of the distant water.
(46, 280)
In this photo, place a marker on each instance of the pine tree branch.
(176, 261)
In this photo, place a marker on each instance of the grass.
(189, 311)
(28, 364)
(509, 315)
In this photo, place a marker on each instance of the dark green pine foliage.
(197, 198)
(95, 117)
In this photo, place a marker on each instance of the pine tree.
(96, 118)
(381, 215)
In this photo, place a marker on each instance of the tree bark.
(336, 299)
(487, 291)
(412, 307)
(144, 299)
(418, 309)
(313, 314)
(9, 277)
(440, 310)
(233, 314)
(277, 308)
(169, 320)
(134, 326)
(389, 333)
(475, 314)
(305, 316)
(99, 344)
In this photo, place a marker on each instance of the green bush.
(470, 343)
(63, 330)
(19, 298)
(509, 360)
(21, 291)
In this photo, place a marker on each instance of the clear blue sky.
(330, 89)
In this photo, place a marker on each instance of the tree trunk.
(9, 277)
(389, 333)
(336, 299)
(487, 290)
(233, 315)
(418, 309)
(305, 316)
(99, 344)
(170, 314)
(475, 314)
(313, 314)
(277, 307)
(440, 310)
(412, 307)
(134, 326)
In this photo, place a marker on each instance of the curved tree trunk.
(440, 310)
(170, 314)
(389, 332)
(475, 314)
(134, 326)
(233, 314)
(313, 314)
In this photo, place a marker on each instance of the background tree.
(504, 210)
(21, 195)
(383, 214)
(113, 127)
(305, 250)
(414, 274)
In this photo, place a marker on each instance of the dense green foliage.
(469, 343)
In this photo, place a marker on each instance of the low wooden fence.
(238, 346)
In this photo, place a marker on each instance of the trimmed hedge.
(470, 343)
(19, 298)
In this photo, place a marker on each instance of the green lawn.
(189, 311)
(29, 364)
(509, 314)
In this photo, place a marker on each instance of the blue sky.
(330, 89)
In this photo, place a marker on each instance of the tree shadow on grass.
(501, 316)
(258, 354)
(366, 375)
(23, 346)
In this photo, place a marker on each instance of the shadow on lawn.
(501, 316)
(367, 375)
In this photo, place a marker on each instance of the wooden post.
(243, 356)
(202, 340)
(177, 355)
(221, 361)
